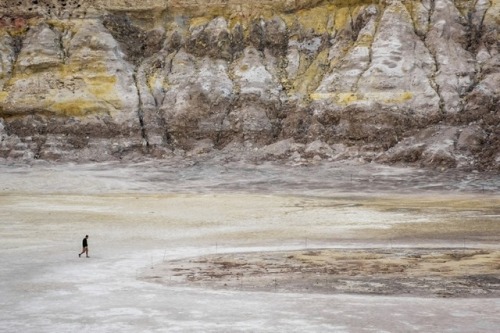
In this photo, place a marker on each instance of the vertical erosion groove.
(140, 113)
(432, 52)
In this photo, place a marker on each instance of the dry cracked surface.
(447, 272)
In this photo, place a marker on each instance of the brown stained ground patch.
(467, 229)
(441, 217)
(423, 272)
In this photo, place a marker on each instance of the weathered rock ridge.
(393, 81)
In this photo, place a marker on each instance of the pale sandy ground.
(145, 220)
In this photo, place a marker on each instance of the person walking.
(85, 247)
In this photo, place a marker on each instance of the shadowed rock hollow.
(413, 82)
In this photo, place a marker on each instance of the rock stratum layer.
(392, 81)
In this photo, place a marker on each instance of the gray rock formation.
(413, 82)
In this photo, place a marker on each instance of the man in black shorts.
(85, 247)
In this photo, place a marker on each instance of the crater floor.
(261, 248)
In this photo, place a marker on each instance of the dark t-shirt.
(84, 242)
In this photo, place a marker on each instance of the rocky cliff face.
(393, 81)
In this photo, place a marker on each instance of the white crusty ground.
(136, 221)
